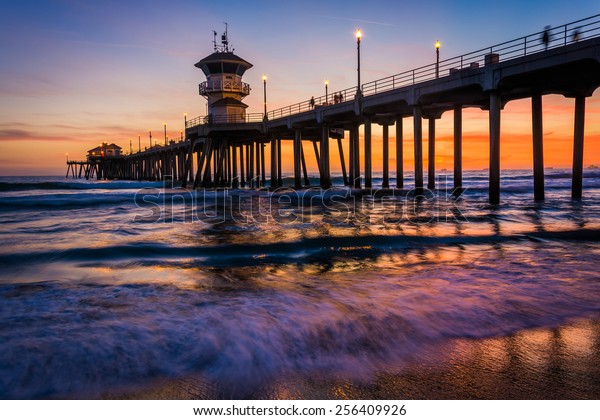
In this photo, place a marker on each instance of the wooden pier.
(225, 152)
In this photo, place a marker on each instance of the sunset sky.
(76, 73)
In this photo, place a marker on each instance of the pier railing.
(558, 36)
(313, 103)
(520, 47)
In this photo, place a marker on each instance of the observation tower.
(224, 88)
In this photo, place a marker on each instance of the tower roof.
(223, 62)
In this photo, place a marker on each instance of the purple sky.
(74, 73)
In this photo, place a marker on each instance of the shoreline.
(542, 363)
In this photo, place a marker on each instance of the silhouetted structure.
(230, 152)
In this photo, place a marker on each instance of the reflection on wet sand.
(556, 363)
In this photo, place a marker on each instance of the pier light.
(165, 126)
(67, 155)
(326, 90)
(358, 35)
(264, 78)
(437, 58)
(185, 120)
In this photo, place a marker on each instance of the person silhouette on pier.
(312, 102)
(546, 37)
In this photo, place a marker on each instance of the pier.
(227, 147)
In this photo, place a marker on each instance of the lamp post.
(264, 78)
(326, 91)
(165, 125)
(184, 120)
(67, 155)
(139, 143)
(437, 59)
(150, 131)
(358, 35)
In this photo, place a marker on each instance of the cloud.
(14, 134)
(11, 135)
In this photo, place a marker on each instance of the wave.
(78, 185)
(305, 250)
(64, 201)
(83, 339)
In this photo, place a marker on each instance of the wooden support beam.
(297, 153)
(242, 162)
(325, 171)
(234, 167)
(431, 155)
(577, 185)
(538, 147)
(399, 152)
(418, 148)
(494, 117)
(251, 178)
(279, 163)
(386, 156)
(356, 157)
(263, 165)
(342, 161)
(188, 164)
(274, 182)
(457, 149)
(368, 156)
(304, 169)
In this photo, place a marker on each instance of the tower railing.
(224, 86)
(224, 119)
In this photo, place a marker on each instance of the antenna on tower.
(224, 46)
(224, 39)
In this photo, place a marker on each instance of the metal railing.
(520, 47)
(313, 103)
(223, 86)
(559, 36)
(224, 119)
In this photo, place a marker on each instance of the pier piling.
(538, 147)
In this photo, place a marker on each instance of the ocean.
(114, 289)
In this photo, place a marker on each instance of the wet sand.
(550, 363)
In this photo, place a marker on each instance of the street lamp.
(358, 35)
(326, 92)
(264, 78)
(150, 131)
(67, 155)
(139, 143)
(437, 59)
(165, 125)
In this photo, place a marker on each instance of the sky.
(76, 73)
